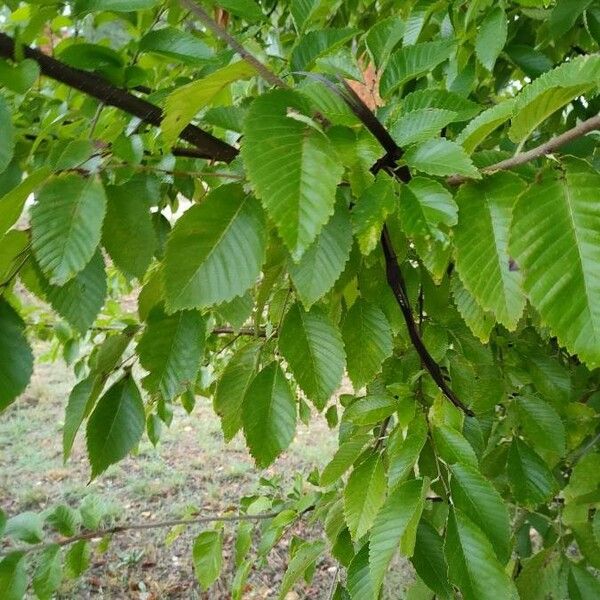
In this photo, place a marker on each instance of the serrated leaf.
(420, 125)
(552, 91)
(115, 426)
(344, 457)
(541, 424)
(292, 166)
(314, 351)
(475, 496)
(371, 409)
(77, 559)
(66, 223)
(48, 574)
(324, 261)
(479, 321)
(207, 555)
(16, 358)
(472, 563)
(429, 560)
(382, 37)
(12, 203)
(403, 452)
(530, 478)
(359, 581)
(364, 495)
(223, 240)
(413, 61)
(314, 44)
(483, 124)
(491, 37)
(176, 43)
(13, 576)
(395, 527)
(64, 519)
(80, 299)
(128, 234)
(554, 242)
(372, 208)
(543, 575)
(186, 101)
(582, 584)
(232, 386)
(304, 557)
(481, 246)
(26, 526)
(269, 415)
(7, 133)
(368, 341)
(565, 14)
(170, 350)
(453, 447)
(463, 109)
(441, 157)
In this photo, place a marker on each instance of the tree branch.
(99, 533)
(540, 151)
(221, 33)
(207, 145)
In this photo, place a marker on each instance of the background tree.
(433, 232)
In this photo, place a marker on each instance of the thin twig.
(540, 151)
(221, 33)
(100, 533)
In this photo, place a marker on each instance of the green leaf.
(170, 350)
(19, 77)
(80, 299)
(344, 457)
(128, 234)
(12, 203)
(371, 409)
(83, 6)
(491, 37)
(207, 554)
(269, 415)
(372, 208)
(177, 44)
(305, 556)
(16, 358)
(383, 37)
(453, 447)
(77, 559)
(8, 135)
(364, 495)
(26, 526)
(403, 452)
(481, 246)
(478, 320)
(48, 574)
(553, 241)
(325, 260)
(463, 109)
(314, 351)
(475, 496)
(116, 425)
(395, 527)
(531, 480)
(582, 584)
(552, 91)
(66, 223)
(441, 157)
(413, 61)
(13, 576)
(429, 560)
(541, 424)
(359, 581)
(482, 125)
(367, 340)
(246, 9)
(314, 44)
(292, 166)
(531, 61)
(186, 101)
(232, 386)
(544, 575)
(223, 240)
(420, 125)
(565, 14)
(64, 519)
(472, 563)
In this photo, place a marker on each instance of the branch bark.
(207, 145)
(540, 151)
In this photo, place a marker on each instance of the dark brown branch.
(540, 151)
(221, 33)
(207, 145)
